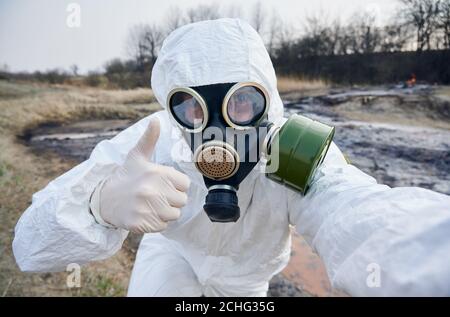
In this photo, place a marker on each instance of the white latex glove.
(141, 196)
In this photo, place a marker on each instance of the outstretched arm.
(58, 228)
(373, 239)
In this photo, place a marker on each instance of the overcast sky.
(34, 34)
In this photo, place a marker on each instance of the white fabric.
(162, 271)
(94, 206)
(347, 217)
(141, 196)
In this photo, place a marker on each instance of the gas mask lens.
(188, 109)
(245, 105)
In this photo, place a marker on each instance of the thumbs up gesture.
(141, 196)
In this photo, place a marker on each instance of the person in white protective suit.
(144, 180)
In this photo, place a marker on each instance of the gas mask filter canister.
(227, 128)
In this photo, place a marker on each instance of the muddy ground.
(408, 146)
(401, 136)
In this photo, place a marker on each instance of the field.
(399, 135)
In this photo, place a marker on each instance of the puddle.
(71, 136)
(75, 140)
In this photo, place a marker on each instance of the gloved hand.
(141, 196)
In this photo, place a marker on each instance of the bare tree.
(423, 16)
(174, 19)
(345, 39)
(285, 52)
(321, 38)
(203, 12)
(275, 33)
(336, 40)
(395, 37)
(366, 37)
(4, 68)
(144, 42)
(232, 11)
(258, 17)
(74, 70)
(153, 37)
(444, 21)
(135, 45)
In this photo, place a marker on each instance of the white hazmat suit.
(353, 223)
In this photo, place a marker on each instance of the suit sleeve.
(375, 240)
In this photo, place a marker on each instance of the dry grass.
(22, 173)
(443, 92)
(288, 85)
(28, 105)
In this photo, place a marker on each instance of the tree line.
(417, 26)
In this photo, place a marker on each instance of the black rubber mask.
(225, 125)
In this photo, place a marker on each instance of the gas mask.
(227, 128)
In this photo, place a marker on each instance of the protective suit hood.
(213, 52)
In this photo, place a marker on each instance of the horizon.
(35, 35)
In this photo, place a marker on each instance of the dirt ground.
(36, 120)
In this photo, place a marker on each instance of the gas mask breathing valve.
(219, 161)
(221, 204)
